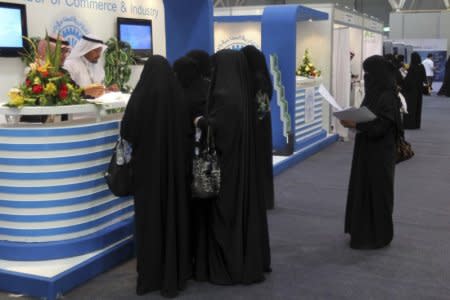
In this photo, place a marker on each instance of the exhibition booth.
(59, 223)
(300, 117)
(355, 37)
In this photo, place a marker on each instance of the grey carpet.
(310, 253)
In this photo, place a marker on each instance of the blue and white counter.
(59, 223)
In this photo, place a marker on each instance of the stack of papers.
(358, 115)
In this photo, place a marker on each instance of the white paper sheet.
(327, 96)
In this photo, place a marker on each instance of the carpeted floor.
(310, 253)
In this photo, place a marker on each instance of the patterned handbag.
(206, 171)
(404, 150)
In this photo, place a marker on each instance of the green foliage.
(118, 58)
(28, 55)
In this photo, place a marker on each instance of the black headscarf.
(203, 60)
(187, 70)
(258, 66)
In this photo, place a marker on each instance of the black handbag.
(206, 170)
(119, 176)
(404, 150)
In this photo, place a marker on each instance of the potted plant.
(118, 58)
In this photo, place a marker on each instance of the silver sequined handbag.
(206, 171)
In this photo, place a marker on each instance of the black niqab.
(203, 60)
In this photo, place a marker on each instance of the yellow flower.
(37, 80)
(15, 97)
(33, 66)
(50, 89)
(306, 68)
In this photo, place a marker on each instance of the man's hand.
(94, 90)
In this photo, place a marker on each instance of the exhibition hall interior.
(224, 149)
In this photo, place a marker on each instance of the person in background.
(236, 218)
(196, 90)
(84, 67)
(370, 201)
(156, 124)
(412, 90)
(445, 88)
(429, 70)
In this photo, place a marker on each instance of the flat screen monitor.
(137, 33)
(13, 27)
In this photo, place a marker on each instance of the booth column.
(186, 30)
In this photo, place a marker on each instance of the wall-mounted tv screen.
(138, 33)
(13, 26)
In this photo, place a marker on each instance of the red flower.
(44, 74)
(63, 91)
(27, 82)
(37, 89)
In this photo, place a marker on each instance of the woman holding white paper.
(370, 200)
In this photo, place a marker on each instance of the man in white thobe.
(83, 63)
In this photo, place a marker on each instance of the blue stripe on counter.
(56, 203)
(305, 134)
(53, 175)
(68, 248)
(58, 146)
(68, 229)
(63, 216)
(43, 132)
(56, 160)
(52, 189)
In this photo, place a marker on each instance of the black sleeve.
(386, 116)
(376, 128)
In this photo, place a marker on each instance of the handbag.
(404, 150)
(119, 176)
(206, 170)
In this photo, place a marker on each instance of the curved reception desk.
(59, 223)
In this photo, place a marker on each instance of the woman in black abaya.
(237, 228)
(262, 94)
(156, 123)
(445, 88)
(412, 90)
(370, 201)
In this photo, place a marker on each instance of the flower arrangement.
(46, 83)
(307, 68)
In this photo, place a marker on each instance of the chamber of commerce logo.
(70, 28)
(236, 43)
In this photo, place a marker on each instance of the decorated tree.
(307, 68)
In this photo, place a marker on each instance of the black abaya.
(412, 90)
(370, 199)
(445, 88)
(235, 226)
(156, 123)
